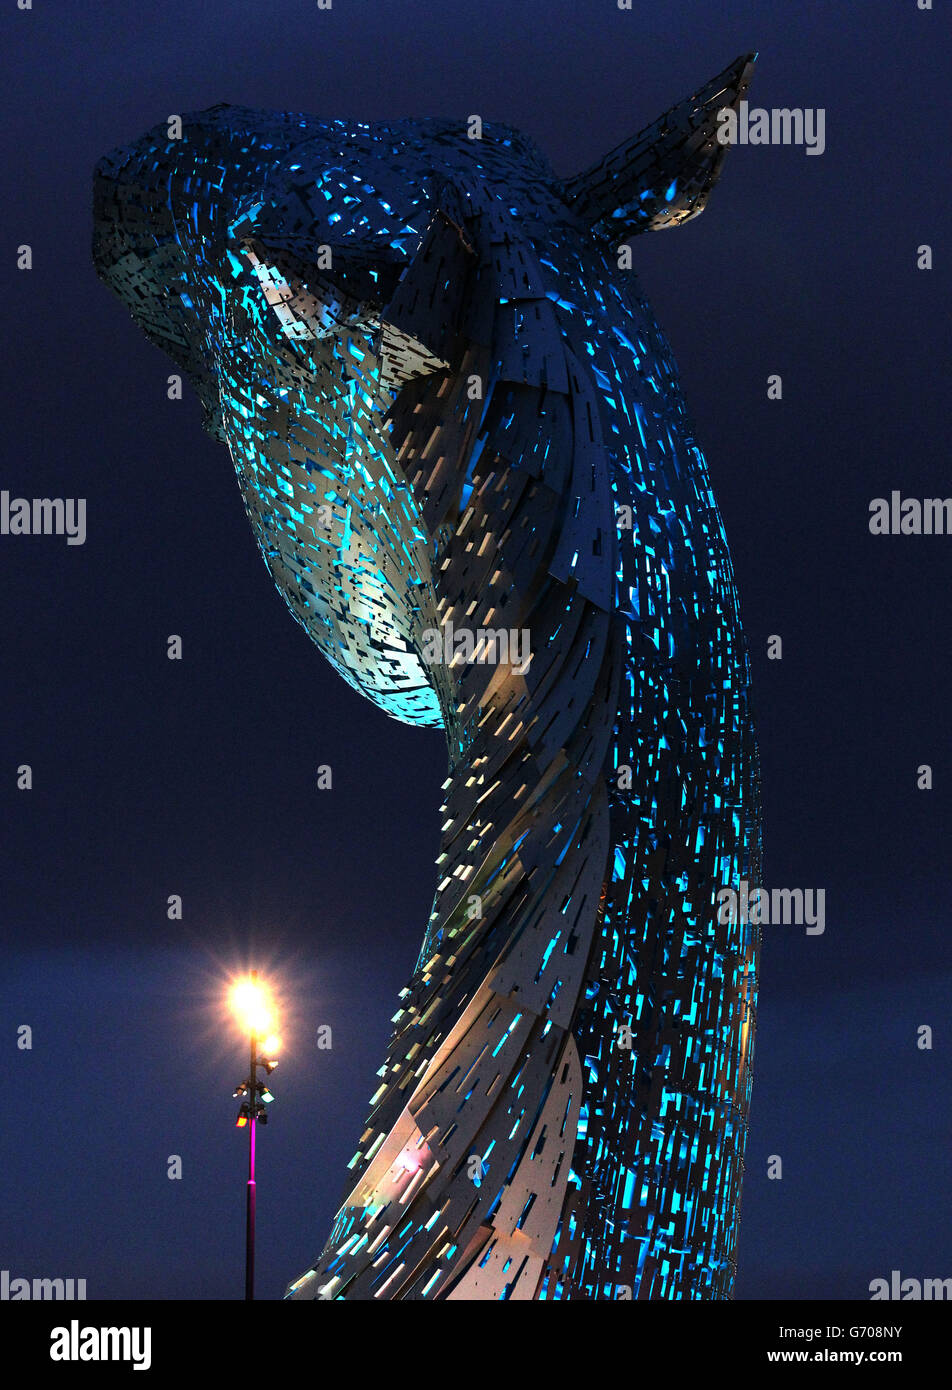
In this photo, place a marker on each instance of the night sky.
(197, 777)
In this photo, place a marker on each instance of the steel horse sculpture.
(462, 445)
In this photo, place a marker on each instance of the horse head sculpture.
(462, 446)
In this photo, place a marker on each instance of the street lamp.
(253, 1007)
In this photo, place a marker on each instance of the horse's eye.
(317, 291)
(309, 302)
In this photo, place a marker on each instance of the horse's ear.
(663, 176)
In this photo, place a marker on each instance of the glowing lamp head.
(251, 1004)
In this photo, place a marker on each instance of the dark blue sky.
(197, 777)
